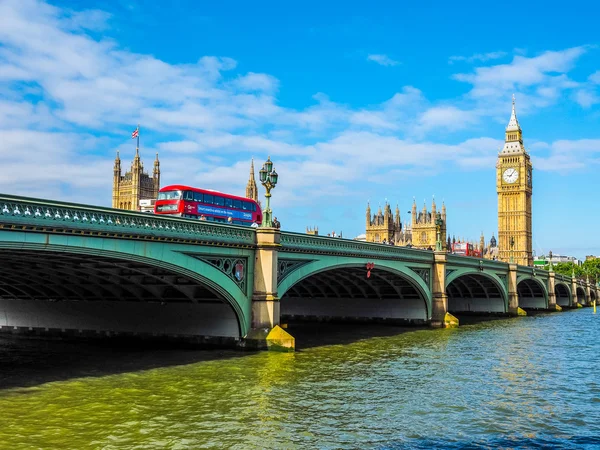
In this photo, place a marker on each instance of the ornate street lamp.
(512, 244)
(268, 178)
(550, 260)
(438, 227)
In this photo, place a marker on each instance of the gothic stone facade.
(135, 185)
(386, 227)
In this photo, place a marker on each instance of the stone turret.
(116, 181)
(251, 188)
(136, 184)
(156, 175)
(414, 212)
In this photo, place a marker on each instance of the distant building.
(591, 257)
(135, 185)
(544, 260)
(492, 250)
(314, 231)
(385, 227)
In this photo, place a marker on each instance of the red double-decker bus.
(206, 204)
(465, 249)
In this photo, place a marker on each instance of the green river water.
(531, 382)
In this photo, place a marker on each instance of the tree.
(591, 268)
(566, 268)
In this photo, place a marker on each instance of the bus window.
(219, 201)
(237, 204)
(246, 206)
(188, 195)
(169, 195)
(198, 197)
(228, 202)
(208, 199)
(238, 222)
(253, 206)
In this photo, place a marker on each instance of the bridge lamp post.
(512, 244)
(438, 227)
(268, 178)
(550, 261)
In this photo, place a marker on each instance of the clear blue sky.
(353, 101)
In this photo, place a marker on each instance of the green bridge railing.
(37, 213)
(300, 242)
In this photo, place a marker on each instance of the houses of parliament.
(514, 184)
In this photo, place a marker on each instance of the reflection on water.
(518, 383)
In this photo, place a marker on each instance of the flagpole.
(138, 139)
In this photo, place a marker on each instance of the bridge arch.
(476, 291)
(581, 297)
(322, 290)
(533, 293)
(119, 286)
(592, 295)
(563, 294)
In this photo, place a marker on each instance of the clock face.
(510, 175)
(529, 178)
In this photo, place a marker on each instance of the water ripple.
(520, 383)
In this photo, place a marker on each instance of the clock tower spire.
(514, 187)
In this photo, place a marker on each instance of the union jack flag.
(135, 133)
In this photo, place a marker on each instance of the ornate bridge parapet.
(34, 215)
(308, 244)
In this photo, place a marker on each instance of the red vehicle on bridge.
(465, 249)
(206, 204)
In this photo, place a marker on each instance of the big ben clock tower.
(514, 187)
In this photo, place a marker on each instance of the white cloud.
(586, 98)
(257, 82)
(449, 117)
(566, 155)
(208, 119)
(477, 57)
(383, 60)
(524, 71)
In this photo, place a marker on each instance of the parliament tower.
(135, 185)
(251, 189)
(514, 187)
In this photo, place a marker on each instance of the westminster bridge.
(84, 270)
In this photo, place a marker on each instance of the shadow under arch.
(592, 295)
(319, 291)
(580, 293)
(82, 291)
(563, 295)
(533, 293)
(479, 292)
